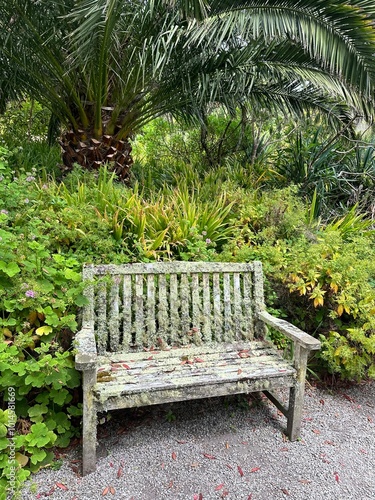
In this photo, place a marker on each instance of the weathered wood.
(290, 331)
(189, 393)
(89, 422)
(140, 333)
(207, 337)
(175, 267)
(150, 304)
(174, 331)
(102, 328)
(114, 315)
(127, 313)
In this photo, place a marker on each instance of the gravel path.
(228, 448)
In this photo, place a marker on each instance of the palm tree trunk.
(80, 147)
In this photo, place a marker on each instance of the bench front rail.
(166, 332)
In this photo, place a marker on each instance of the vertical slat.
(248, 307)
(127, 313)
(196, 307)
(163, 308)
(207, 337)
(114, 317)
(151, 323)
(260, 329)
(138, 310)
(228, 320)
(88, 317)
(101, 306)
(218, 315)
(237, 310)
(185, 303)
(174, 304)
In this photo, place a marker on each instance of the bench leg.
(89, 424)
(296, 394)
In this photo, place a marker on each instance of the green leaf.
(9, 268)
(44, 330)
(72, 275)
(38, 455)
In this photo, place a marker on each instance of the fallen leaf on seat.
(174, 456)
(240, 471)
(120, 472)
(285, 491)
(105, 491)
(112, 490)
(304, 481)
(207, 455)
(199, 360)
(127, 367)
(219, 487)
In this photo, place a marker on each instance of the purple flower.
(30, 293)
(4, 212)
(30, 178)
(27, 200)
(208, 241)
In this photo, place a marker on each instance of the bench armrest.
(292, 332)
(86, 355)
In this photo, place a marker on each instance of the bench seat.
(126, 380)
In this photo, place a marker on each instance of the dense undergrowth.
(320, 275)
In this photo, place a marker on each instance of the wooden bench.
(174, 331)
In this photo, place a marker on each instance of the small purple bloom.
(30, 293)
(27, 200)
(4, 212)
(208, 241)
(30, 178)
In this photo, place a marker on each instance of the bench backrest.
(137, 306)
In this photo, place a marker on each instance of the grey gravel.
(159, 452)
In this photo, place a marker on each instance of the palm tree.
(106, 67)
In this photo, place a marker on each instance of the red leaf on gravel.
(61, 486)
(240, 471)
(198, 497)
(348, 398)
(207, 455)
(255, 469)
(321, 401)
(120, 472)
(370, 420)
(229, 466)
(250, 496)
(239, 371)
(285, 491)
(124, 365)
(105, 491)
(337, 477)
(316, 431)
(363, 451)
(181, 442)
(199, 360)
(219, 487)
(151, 357)
(174, 456)
(112, 490)
(304, 481)
(170, 485)
(329, 442)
